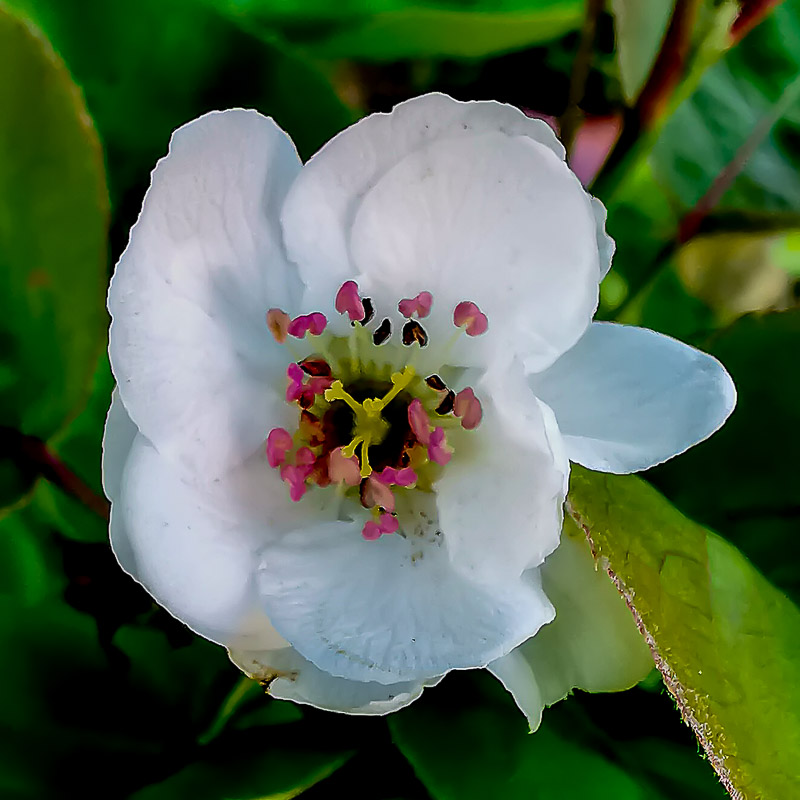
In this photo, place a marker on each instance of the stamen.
(296, 477)
(376, 493)
(436, 383)
(397, 477)
(419, 305)
(369, 310)
(278, 324)
(300, 326)
(295, 389)
(414, 332)
(382, 332)
(438, 450)
(348, 301)
(342, 469)
(468, 408)
(279, 443)
(446, 406)
(316, 367)
(374, 530)
(419, 422)
(467, 315)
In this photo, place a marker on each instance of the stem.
(570, 120)
(665, 76)
(690, 224)
(751, 13)
(32, 455)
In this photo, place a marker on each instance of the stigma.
(369, 426)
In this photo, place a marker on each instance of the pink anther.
(419, 305)
(374, 530)
(295, 389)
(342, 469)
(467, 315)
(278, 324)
(300, 326)
(438, 450)
(468, 408)
(304, 459)
(296, 478)
(377, 493)
(419, 421)
(349, 302)
(279, 442)
(319, 385)
(397, 477)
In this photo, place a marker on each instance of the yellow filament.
(370, 426)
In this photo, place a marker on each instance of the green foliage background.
(105, 695)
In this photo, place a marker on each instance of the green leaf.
(475, 744)
(59, 698)
(727, 641)
(743, 481)
(53, 221)
(730, 142)
(252, 765)
(148, 66)
(397, 29)
(30, 566)
(640, 27)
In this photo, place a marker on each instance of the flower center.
(368, 426)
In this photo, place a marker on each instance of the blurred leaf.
(748, 85)
(30, 565)
(744, 480)
(149, 66)
(679, 772)
(181, 685)
(735, 274)
(479, 747)
(61, 716)
(640, 27)
(79, 447)
(728, 642)
(748, 99)
(389, 30)
(253, 765)
(53, 221)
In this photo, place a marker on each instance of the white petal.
(292, 677)
(189, 346)
(118, 438)
(627, 398)
(496, 220)
(593, 643)
(500, 498)
(392, 610)
(195, 549)
(606, 246)
(321, 205)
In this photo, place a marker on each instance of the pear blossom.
(348, 393)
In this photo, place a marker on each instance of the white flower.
(347, 396)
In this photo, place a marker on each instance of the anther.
(436, 383)
(348, 301)
(278, 323)
(414, 332)
(419, 305)
(382, 332)
(316, 367)
(467, 315)
(369, 310)
(446, 406)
